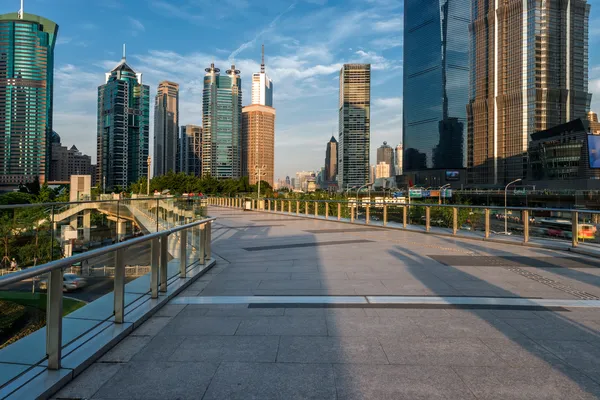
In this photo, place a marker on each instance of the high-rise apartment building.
(382, 170)
(331, 162)
(190, 150)
(530, 73)
(354, 125)
(222, 123)
(262, 85)
(26, 85)
(123, 127)
(258, 143)
(385, 154)
(436, 83)
(398, 160)
(66, 161)
(166, 128)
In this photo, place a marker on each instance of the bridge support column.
(306, 207)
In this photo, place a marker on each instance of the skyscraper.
(331, 162)
(399, 154)
(222, 123)
(262, 85)
(123, 127)
(190, 152)
(436, 83)
(354, 125)
(531, 75)
(258, 143)
(166, 128)
(26, 88)
(385, 154)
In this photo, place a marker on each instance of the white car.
(71, 282)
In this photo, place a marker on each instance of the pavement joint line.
(414, 300)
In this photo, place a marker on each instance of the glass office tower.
(222, 123)
(436, 83)
(26, 84)
(123, 127)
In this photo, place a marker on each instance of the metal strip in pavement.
(386, 300)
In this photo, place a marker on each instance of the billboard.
(452, 175)
(594, 150)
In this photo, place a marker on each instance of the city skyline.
(81, 59)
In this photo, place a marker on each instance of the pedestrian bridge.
(298, 307)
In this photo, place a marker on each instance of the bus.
(563, 228)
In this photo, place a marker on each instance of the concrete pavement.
(353, 343)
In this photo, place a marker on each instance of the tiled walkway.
(352, 347)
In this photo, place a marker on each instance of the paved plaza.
(299, 308)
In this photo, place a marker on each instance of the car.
(71, 282)
(466, 227)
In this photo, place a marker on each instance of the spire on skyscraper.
(21, 11)
(262, 63)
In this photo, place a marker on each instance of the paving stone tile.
(408, 312)
(465, 327)
(227, 348)
(126, 349)
(372, 326)
(521, 352)
(320, 275)
(439, 351)
(284, 325)
(170, 310)
(89, 382)
(272, 381)
(160, 348)
(202, 325)
(557, 328)
(159, 380)
(398, 382)
(289, 284)
(528, 383)
(578, 354)
(243, 311)
(152, 326)
(327, 349)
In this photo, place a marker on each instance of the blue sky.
(306, 42)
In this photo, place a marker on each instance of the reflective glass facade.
(436, 83)
(222, 123)
(26, 86)
(354, 125)
(123, 127)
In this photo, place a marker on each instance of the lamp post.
(505, 211)
(148, 177)
(259, 175)
(442, 188)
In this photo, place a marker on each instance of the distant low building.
(382, 170)
(566, 156)
(67, 161)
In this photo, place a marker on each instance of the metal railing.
(200, 241)
(544, 223)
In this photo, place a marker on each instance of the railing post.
(297, 207)
(404, 216)
(306, 207)
(427, 218)
(119, 291)
(575, 229)
(339, 216)
(54, 307)
(487, 222)
(289, 206)
(154, 266)
(269, 204)
(164, 262)
(367, 213)
(208, 240)
(385, 216)
(352, 212)
(182, 253)
(202, 245)
(275, 205)
(316, 209)
(525, 226)
(454, 220)
(326, 210)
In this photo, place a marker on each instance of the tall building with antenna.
(26, 96)
(123, 127)
(222, 123)
(262, 85)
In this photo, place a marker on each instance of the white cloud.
(136, 25)
(395, 24)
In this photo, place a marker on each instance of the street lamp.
(259, 175)
(505, 211)
(442, 188)
(148, 177)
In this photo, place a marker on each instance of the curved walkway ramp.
(313, 309)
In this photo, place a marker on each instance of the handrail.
(67, 203)
(68, 261)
